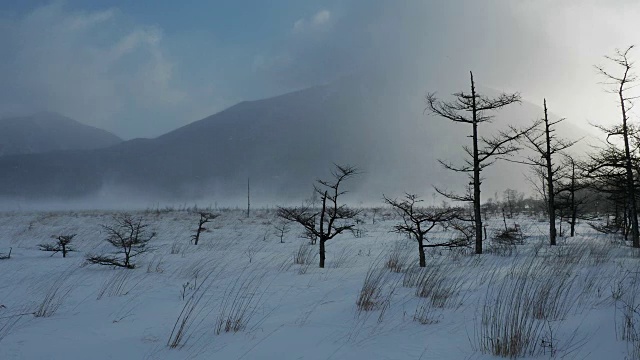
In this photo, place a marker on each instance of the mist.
(147, 74)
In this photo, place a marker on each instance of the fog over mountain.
(46, 131)
(282, 144)
(354, 74)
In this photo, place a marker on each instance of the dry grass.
(240, 303)
(399, 257)
(193, 312)
(118, 284)
(54, 296)
(377, 289)
(628, 311)
(304, 256)
(519, 308)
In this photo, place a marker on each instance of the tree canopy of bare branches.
(545, 144)
(332, 218)
(620, 83)
(61, 245)
(474, 109)
(418, 221)
(130, 236)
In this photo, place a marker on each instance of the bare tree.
(281, 228)
(130, 236)
(474, 109)
(570, 191)
(512, 201)
(620, 84)
(61, 245)
(545, 145)
(417, 221)
(332, 218)
(205, 217)
(605, 172)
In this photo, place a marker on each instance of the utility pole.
(248, 197)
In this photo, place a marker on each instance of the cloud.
(104, 68)
(541, 48)
(97, 67)
(319, 21)
(320, 18)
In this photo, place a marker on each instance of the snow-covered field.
(575, 301)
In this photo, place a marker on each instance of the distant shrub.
(130, 236)
(61, 245)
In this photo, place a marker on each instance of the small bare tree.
(61, 245)
(281, 228)
(418, 221)
(332, 218)
(205, 217)
(130, 236)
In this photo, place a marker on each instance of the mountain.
(45, 131)
(282, 144)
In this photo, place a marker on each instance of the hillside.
(283, 144)
(45, 132)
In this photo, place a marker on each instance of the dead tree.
(606, 174)
(512, 201)
(620, 84)
(418, 221)
(61, 245)
(546, 145)
(332, 218)
(281, 228)
(205, 217)
(130, 236)
(571, 191)
(474, 109)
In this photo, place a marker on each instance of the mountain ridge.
(47, 131)
(283, 144)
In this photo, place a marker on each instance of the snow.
(295, 311)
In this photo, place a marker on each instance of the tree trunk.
(423, 259)
(551, 197)
(574, 207)
(631, 193)
(322, 255)
(477, 213)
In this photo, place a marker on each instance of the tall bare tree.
(545, 145)
(417, 221)
(475, 109)
(332, 218)
(620, 84)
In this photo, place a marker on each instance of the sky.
(143, 68)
